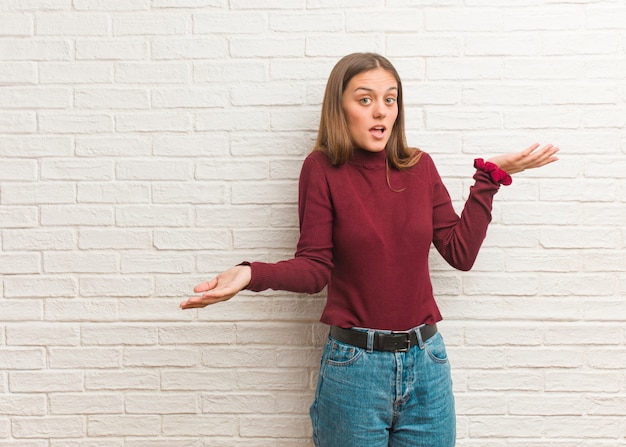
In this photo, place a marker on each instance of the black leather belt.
(396, 341)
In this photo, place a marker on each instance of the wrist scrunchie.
(497, 175)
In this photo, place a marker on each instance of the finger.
(205, 286)
(539, 156)
(197, 302)
(530, 149)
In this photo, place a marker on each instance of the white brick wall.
(146, 145)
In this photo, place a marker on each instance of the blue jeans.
(384, 399)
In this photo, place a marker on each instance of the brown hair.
(333, 136)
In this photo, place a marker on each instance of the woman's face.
(370, 104)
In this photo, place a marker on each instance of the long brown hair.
(333, 136)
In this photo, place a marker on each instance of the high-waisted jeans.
(384, 399)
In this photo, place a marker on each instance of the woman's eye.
(391, 100)
(365, 101)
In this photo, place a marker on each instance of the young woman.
(370, 207)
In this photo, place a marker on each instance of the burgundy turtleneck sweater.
(369, 243)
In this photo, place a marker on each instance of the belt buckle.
(407, 335)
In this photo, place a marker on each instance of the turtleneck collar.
(368, 159)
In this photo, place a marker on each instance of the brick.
(204, 380)
(111, 5)
(235, 403)
(36, 193)
(111, 98)
(26, 263)
(199, 425)
(86, 403)
(546, 404)
(73, 262)
(157, 263)
(116, 286)
(49, 427)
(35, 98)
(77, 169)
(152, 122)
(34, 239)
(17, 122)
(313, 22)
(36, 5)
(18, 73)
(232, 170)
(43, 335)
(154, 170)
(72, 215)
(55, 24)
(230, 22)
(189, 48)
(75, 122)
(327, 45)
(232, 120)
(166, 357)
(213, 145)
(96, 146)
(170, 403)
(197, 193)
(192, 240)
(42, 147)
(19, 310)
(72, 358)
(33, 49)
(155, 72)
(172, 98)
(241, 46)
(118, 335)
(39, 286)
(152, 310)
(16, 25)
(186, 3)
(593, 427)
(114, 239)
(24, 405)
(118, 192)
(274, 93)
(150, 24)
(295, 426)
(571, 17)
(222, 333)
(498, 426)
(80, 310)
(45, 381)
(274, 379)
(17, 170)
(122, 380)
(87, 443)
(582, 381)
(123, 425)
(227, 70)
(16, 358)
(75, 72)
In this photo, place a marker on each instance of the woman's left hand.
(527, 159)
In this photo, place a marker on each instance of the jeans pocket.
(341, 354)
(436, 348)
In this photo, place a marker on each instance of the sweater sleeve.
(309, 270)
(458, 239)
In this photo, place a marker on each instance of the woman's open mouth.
(378, 131)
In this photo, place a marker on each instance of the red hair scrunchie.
(497, 175)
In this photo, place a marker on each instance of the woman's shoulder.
(317, 158)
(424, 158)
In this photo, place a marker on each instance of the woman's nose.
(379, 110)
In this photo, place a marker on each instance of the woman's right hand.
(223, 287)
